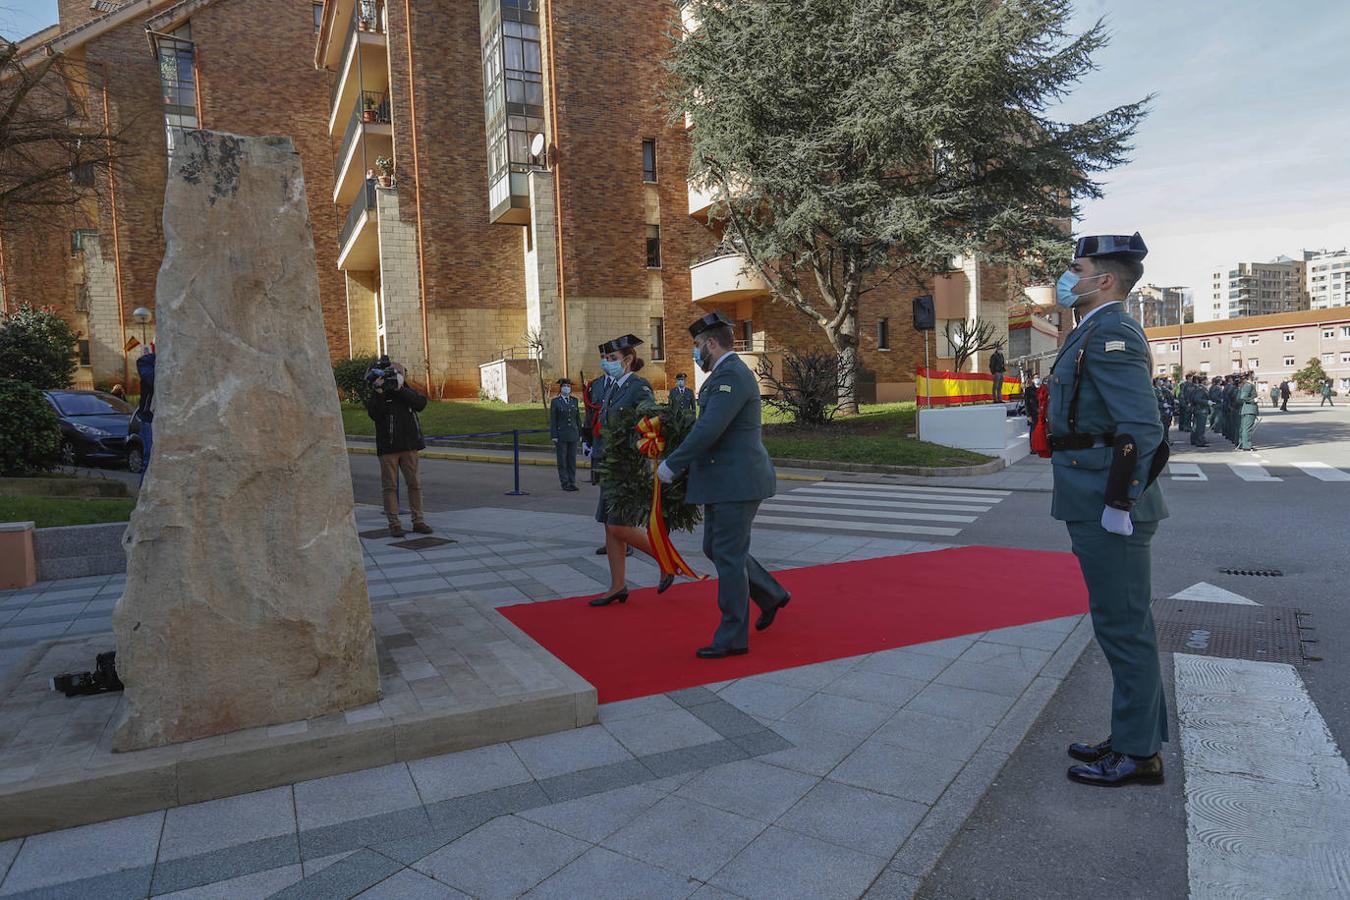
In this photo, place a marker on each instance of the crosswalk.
(1262, 471)
(878, 508)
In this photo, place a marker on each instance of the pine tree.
(1310, 377)
(850, 142)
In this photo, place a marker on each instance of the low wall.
(982, 428)
(74, 551)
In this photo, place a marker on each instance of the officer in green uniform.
(1107, 452)
(1275, 395)
(1230, 409)
(1326, 394)
(681, 397)
(1199, 412)
(1184, 403)
(730, 474)
(1248, 410)
(1215, 404)
(564, 429)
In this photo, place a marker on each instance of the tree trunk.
(844, 340)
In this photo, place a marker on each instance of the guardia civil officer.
(730, 474)
(1166, 406)
(1199, 411)
(1216, 405)
(681, 397)
(1248, 410)
(1184, 402)
(1107, 451)
(564, 428)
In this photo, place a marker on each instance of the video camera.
(102, 680)
(383, 368)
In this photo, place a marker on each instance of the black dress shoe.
(1090, 753)
(665, 583)
(600, 552)
(1117, 770)
(713, 652)
(766, 618)
(570, 487)
(621, 597)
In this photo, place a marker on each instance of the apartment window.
(82, 175)
(747, 330)
(1162, 368)
(1288, 362)
(658, 339)
(1327, 358)
(1253, 362)
(84, 352)
(649, 160)
(79, 236)
(1345, 331)
(318, 17)
(1172, 347)
(178, 83)
(884, 334)
(1204, 345)
(653, 246)
(1204, 366)
(1253, 340)
(1288, 337)
(1345, 358)
(1237, 342)
(1328, 333)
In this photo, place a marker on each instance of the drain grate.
(422, 543)
(1264, 573)
(376, 533)
(1261, 633)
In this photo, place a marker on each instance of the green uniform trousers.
(740, 578)
(1199, 422)
(1184, 418)
(1245, 426)
(1120, 591)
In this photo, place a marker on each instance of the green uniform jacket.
(1246, 396)
(1199, 401)
(1115, 397)
(724, 453)
(564, 419)
(633, 391)
(681, 398)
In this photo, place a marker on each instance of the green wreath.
(626, 475)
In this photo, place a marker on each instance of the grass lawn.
(50, 511)
(878, 436)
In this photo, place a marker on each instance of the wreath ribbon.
(652, 445)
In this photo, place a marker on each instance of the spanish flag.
(937, 388)
(131, 344)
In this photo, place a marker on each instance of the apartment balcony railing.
(724, 278)
(367, 18)
(369, 136)
(361, 209)
(371, 109)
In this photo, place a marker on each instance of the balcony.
(725, 278)
(359, 239)
(368, 137)
(362, 65)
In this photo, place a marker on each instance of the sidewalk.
(842, 779)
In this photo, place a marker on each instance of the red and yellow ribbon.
(652, 444)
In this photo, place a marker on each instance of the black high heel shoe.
(665, 583)
(621, 596)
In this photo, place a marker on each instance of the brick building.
(151, 68)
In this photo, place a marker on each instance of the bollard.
(515, 464)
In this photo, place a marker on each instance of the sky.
(1246, 152)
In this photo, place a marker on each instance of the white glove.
(554, 440)
(1117, 521)
(586, 450)
(398, 381)
(663, 472)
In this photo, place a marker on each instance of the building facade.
(1153, 306)
(1328, 275)
(149, 70)
(1254, 289)
(1274, 347)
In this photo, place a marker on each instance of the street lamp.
(142, 316)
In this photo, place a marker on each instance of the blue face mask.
(612, 369)
(1064, 294)
(698, 359)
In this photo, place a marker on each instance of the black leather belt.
(1080, 441)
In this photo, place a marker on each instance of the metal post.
(515, 461)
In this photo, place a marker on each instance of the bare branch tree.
(809, 387)
(966, 338)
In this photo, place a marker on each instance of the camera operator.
(393, 405)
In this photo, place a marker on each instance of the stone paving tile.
(463, 814)
(1006, 655)
(749, 788)
(467, 772)
(346, 877)
(257, 884)
(225, 863)
(764, 698)
(585, 782)
(662, 731)
(987, 677)
(693, 759)
(216, 824)
(781, 865)
(37, 615)
(726, 719)
(1033, 636)
(855, 818)
(85, 852)
(504, 858)
(594, 818)
(959, 703)
(411, 885)
(933, 734)
(569, 751)
(892, 885)
(888, 769)
(638, 706)
(685, 837)
(812, 677)
(355, 795)
(951, 648)
(350, 835)
(600, 874)
(906, 663)
(813, 751)
(839, 714)
(875, 687)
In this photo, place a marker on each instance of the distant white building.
(1328, 275)
(1153, 306)
(1254, 289)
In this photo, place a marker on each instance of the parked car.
(135, 446)
(93, 426)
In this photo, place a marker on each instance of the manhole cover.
(1264, 573)
(1261, 633)
(376, 533)
(421, 543)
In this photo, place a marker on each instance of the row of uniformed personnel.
(1227, 405)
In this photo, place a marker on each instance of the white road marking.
(914, 501)
(780, 506)
(899, 495)
(1205, 592)
(857, 526)
(1252, 472)
(921, 488)
(1186, 472)
(1321, 471)
(1267, 790)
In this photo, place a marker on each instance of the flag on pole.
(131, 344)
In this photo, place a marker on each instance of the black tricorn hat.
(562, 381)
(711, 320)
(1125, 246)
(626, 342)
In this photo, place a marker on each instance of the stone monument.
(246, 600)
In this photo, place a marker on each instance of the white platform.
(984, 428)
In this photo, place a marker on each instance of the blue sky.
(1246, 154)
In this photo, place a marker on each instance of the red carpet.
(646, 646)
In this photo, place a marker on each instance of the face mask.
(1036, 381)
(566, 390)
(701, 358)
(1064, 294)
(612, 369)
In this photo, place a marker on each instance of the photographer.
(394, 405)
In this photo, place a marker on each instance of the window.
(884, 334)
(1253, 362)
(1345, 358)
(1237, 342)
(79, 236)
(1345, 331)
(649, 160)
(1288, 362)
(653, 246)
(658, 339)
(1328, 333)
(1162, 368)
(1204, 366)
(747, 334)
(1288, 337)
(178, 83)
(84, 352)
(1326, 359)
(318, 17)
(1253, 340)
(1172, 347)
(1204, 345)
(82, 175)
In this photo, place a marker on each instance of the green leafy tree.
(30, 438)
(350, 376)
(38, 347)
(1310, 377)
(851, 143)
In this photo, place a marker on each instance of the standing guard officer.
(564, 428)
(1248, 410)
(1199, 412)
(1107, 452)
(730, 474)
(1184, 402)
(1216, 404)
(681, 397)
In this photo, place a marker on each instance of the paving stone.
(85, 852)
(347, 877)
(926, 845)
(987, 677)
(813, 750)
(227, 863)
(330, 839)
(839, 714)
(411, 885)
(759, 743)
(692, 696)
(933, 734)
(257, 884)
(504, 858)
(685, 837)
(596, 817)
(638, 706)
(125, 884)
(600, 874)
(1008, 736)
(586, 782)
(780, 865)
(905, 662)
(463, 814)
(892, 885)
(726, 720)
(663, 731)
(875, 687)
(318, 864)
(749, 788)
(888, 769)
(1006, 655)
(228, 822)
(855, 818)
(1033, 636)
(709, 892)
(569, 751)
(468, 772)
(767, 699)
(958, 703)
(811, 678)
(8, 850)
(692, 759)
(355, 795)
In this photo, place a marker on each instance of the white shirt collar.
(1095, 310)
(619, 381)
(721, 359)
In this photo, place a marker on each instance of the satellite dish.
(537, 145)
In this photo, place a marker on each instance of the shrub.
(30, 438)
(809, 387)
(37, 347)
(350, 375)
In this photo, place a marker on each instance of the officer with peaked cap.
(730, 474)
(1108, 448)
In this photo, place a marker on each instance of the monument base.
(455, 675)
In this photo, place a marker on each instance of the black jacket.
(397, 427)
(996, 363)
